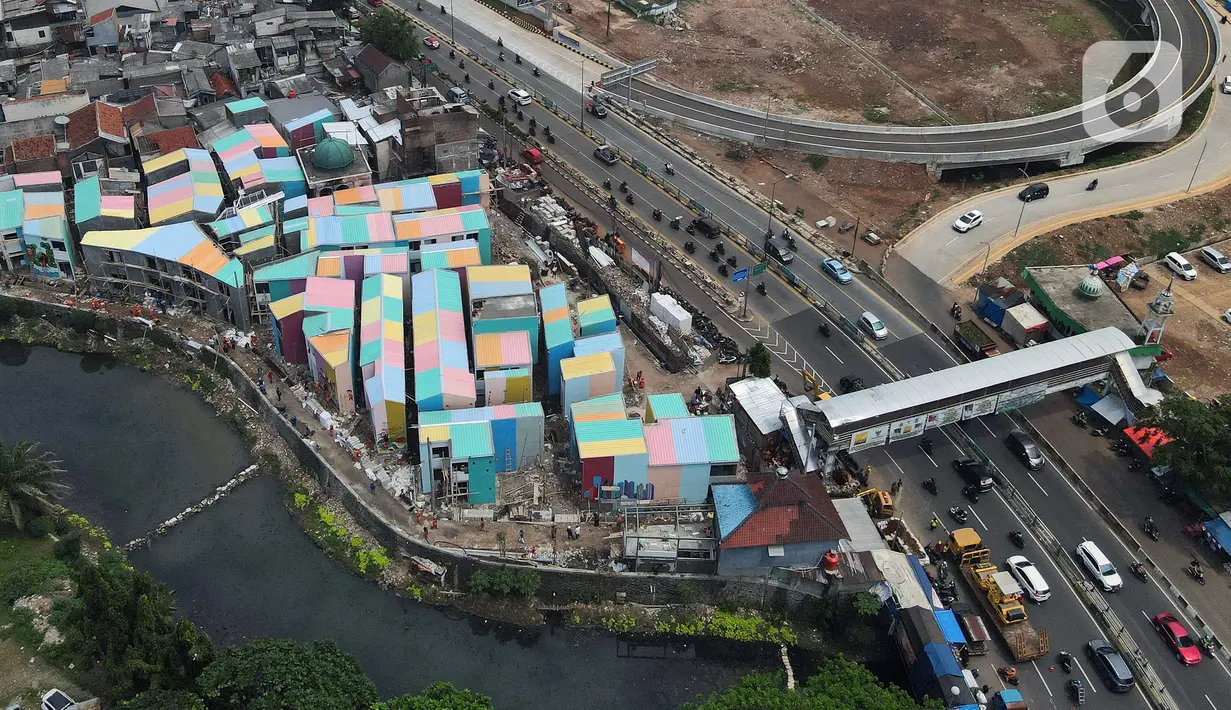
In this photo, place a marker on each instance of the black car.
(1110, 665)
(778, 251)
(850, 383)
(973, 473)
(708, 227)
(1024, 448)
(1037, 191)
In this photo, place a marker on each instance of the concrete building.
(31, 155)
(437, 136)
(176, 264)
(30, 24)
(758, 415)
(333, 165)
(686, 455)
(771, 522)
(378, 71)
(118, 24)
(1077, 301)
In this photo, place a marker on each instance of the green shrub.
(68, 547)
(61, 526)
(31, 576)
(506, 582)
(817, 162)
(38, 527)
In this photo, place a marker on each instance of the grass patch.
(1066, 25)
(26, 567)
(875, 114)
(1035, 253)
(1092, 251)
(817, 162)
(1131, 214)
(1160, 241)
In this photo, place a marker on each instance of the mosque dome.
(1091, 287)
(333, 154)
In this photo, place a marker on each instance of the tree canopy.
(164, 699)
(390, 33)
(27, 481)
(839, 685)
(1200, 454)
(760, 362)
(281, 674)
(438, 696)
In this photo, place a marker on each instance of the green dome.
(332, 154)
(1091, 287)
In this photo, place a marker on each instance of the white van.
(1180, 266)
(1215, 259)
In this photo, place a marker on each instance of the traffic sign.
(741, 275)
(759, 268)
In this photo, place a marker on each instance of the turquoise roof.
(298, 224)
(87, 199)
(667, 406)
(607, 403)
(257, 233)
(720, 438)
(249, 104)
(558, 332)
(300, 266)
(12, 209)
(470, 440)
(608, 430)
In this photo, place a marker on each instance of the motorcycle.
(500, 42)
(1018, 538)
(1081, 420)
(1077, 690)
(690, 229)
(959, 514)
(761, 288)
(722, 270)
(623, 186)
(532, 131)
(720, 248)
(1208, 645)
(517, 59)
(675, 223)
(501, 57)
(1008, 675)
(669, 169)
(714, 255)
(823, 329)
(461, 64)
(1100, 431)
(690, 247)
(956, 312)
(971, 492)
(929, 485)
(607, 184)
(533, 122)
(1149, 527)
(629, 198)
(1093, 184)
(1197, 574)
(466, 78)
(731, 261)
(520, 115)
(612, 201)
(657, 214)
(452, 54)
(536, 72)
(419, 6)
(1139, 571)
(926, 445)
(443, 11)
(790, 242)
(492, 85)
(1066, 661)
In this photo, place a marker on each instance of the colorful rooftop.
(89, 202)
(197, 159)
(334, 347)
(351, 230)
(467, 440)
(439, 330)
(43, 204)
(497, 350)
(450, 255)
(609, 438)
(243, 220)
(365, 194)
(666, 406)
(382, 355)
(198, 191)
(300, 266)
(12, 209)
(595, 315)
(587, 365)
(481, 414)
(49, 177)
(692, 440)
(495, 281)
(440, 223)
(408, 196)
(606, 408)
(184, 243)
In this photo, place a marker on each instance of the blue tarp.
(925, 584)
(1087, 396)
(1217, 528)
(949, 626)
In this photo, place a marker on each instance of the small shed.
(1023, 323)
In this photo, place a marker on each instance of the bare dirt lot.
(980, 60)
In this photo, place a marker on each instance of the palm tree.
(26, 480)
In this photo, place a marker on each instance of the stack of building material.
(665, 406)
(614, 460)
(442, 377)
(666, 309)
(595, 315)
(604, 343)
(382, 358)
(557, 332)
(587, 377)
(685, 452)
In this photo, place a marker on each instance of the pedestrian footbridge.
(905, 409)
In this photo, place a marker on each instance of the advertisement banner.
(978, 408)
(868, 438)
(639, 261)
(944, 417)
(1018, 398)
(906, 428)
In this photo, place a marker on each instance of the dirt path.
(981, 60)
(23, 680)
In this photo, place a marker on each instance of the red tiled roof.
(89, 122)
(172, 140)
(795, 509)
(34, 147)
(105, 14)
(140, 109)
(222, 85)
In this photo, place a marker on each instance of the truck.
(1010, 699)
(999, 595)
(607, 154)
(971, 338)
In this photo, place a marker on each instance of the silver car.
(873, 326)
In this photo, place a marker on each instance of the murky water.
(137, 451)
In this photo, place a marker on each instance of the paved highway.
(1184, 24)
(913, 351)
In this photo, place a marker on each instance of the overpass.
(1187, 50)
(906, 408)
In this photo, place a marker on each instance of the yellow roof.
(163, 161)
(256, 245)
(499, 273)
(334, 347)
(438, 432)
(53, 86)
(594, 304)
(284, 307)
(611, 447)
(966, 538)
(586, 365)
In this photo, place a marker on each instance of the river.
(137, 451)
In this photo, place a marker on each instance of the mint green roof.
(344, 210)
(249, 104)
(667, 406)
(607, 403)
(608, 430)
(257, 233)
(720, 438)
(298, 224)
(300, 266)
(470, 440)
(87, 199)
(558, 332)
(12, 209)
(474, 220)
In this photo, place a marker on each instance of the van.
(973, 473)
(1180, 266)
(1037, 191)
(1215, 259)
(778, 251)
(708, 227)
(458, 95)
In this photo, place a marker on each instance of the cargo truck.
(999, 595)
(971, 338)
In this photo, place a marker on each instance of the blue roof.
(295, 203)
(921, 576)
(949, 626)
(734, 503)
(1217, 528)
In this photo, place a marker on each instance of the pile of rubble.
(672, 20)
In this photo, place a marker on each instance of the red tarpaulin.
(1147, 438)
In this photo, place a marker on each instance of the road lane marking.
(971, 508)
(1089, 683)
(895, 463)
(1045, 686)
(930, 458)
(1028, 473)
(985, 426)
(1211, 702)
(835, 356)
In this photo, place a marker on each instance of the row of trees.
(1200, 455)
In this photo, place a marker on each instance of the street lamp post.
(773, 190)
(1197, 167)
(452, 24)
(583, 95)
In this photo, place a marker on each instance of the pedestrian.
(261, 386)
(435, 523)
(424, 532)
(270, 375)
(372, 487)
(482, 523)
(521, 537)
(418, 517)
(534, 549)
(897, 486)
(278, 389)
(577, 532)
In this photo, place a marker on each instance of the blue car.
(837, 271)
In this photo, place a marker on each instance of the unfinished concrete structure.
(437, 137)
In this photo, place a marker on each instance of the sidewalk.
(947, 257)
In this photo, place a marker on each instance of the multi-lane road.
(782, 314)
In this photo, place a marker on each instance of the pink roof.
(440, 224)
(370, 332)
(427, 356)
(320, 206)
(118, 202)
(44, 178)
(393, 353)
(660, 444)
(452, 327)
(322, 292)
(170, 197)
(457, 381)
(380, 227)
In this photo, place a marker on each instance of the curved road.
(1185, 24)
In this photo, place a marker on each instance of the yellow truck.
(999, 594)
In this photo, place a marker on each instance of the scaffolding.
(669, 538)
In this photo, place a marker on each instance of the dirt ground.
(990, 60)
(1196, 333)
(23, 676)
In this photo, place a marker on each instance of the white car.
(1180, 266)
(873, 326)
(521, 97)
(56, 699)
(1226, 85)
(968, 221)
(1027, 575)
(1099, 566)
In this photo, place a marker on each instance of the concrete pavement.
(948, 257)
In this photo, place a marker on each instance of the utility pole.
(1197, 167)
(855, 236)
(608, 20)
(584, 94)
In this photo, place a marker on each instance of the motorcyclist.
(1149, 524)
(926, 445)
(502, 56)
(1066, 660)
(500, 42)
(1018, 536)
(669, 168)
(933, 523)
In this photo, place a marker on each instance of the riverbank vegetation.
(838, 685)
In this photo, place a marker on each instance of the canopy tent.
(1146, 438)
(1219, 531)
(1111, 408)
(949, 626)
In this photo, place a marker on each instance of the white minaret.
(1157, 313)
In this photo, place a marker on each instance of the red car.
(1176, 636)
(431, 42)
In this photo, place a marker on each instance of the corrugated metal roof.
(667, 406)
(300, 266)
(762, 401)
(609, 438)
(184, 243)
(502, 349)
(599, 407)
(602, 343)
(585, 366)
(688, 436)
(450, 255)
(495, 281)
(989, 374)
(558, 333)
(720, 440)
(660, 443)
(12, 209)
(466, 439)
(733, 504)
(87, 199)
(601, 302)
